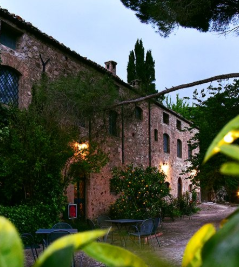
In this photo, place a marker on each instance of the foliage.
(142, 68)
(24, 216)
(210, 115)
(208, 247)
(181, 106)
(141, 192)
(204, 15)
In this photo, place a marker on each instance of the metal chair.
(101, 221)
(58, 234)
(29, 243)
(62, 225)
(157, 222)
(144, 230)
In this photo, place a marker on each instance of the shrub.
(141, 192)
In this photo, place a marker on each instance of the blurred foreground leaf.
(192, 253)
(11, 248)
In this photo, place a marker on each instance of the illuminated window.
(179, 148)
(113, 123)
(165, 118)
(166, 143)
(8, 86)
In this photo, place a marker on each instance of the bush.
(141, 192)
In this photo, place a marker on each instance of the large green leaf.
(231, 151)
(113, 256)
(222, 250)
(65, 247)
(11, 248)
(192, 253)
(230, 168)
(230, 130)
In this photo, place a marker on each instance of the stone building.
(155, 136)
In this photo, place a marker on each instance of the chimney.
(111, 66)
(136, 83)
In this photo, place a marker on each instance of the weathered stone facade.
(139, 141)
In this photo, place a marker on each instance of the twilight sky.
(106, 30)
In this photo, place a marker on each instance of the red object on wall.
(72, 211)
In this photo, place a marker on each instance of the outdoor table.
(124, 224)
(47, 231)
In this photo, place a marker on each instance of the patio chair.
(29, 243)
(157, 222)
(144, 230)
(101, 221)
(53, 236)
(62, 225)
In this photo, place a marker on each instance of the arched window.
(166, 143)
(180, 187)
(8, 86)
(113, 115)
(179, 148)
(138, 113)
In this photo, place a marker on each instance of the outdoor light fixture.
(80, 147)
(165, 167)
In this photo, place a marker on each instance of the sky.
(106, 30)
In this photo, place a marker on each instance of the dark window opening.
(179, 148)
(8, 86)
(167, 184)
(138, 113)
(190, 151)
(179, 125)
(180, 187)
(155, 135)
(190, 188)
(9, 36)
(165, 118)
(113, 123)
(166, 146)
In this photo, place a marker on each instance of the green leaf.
(65, 247)
(230, 168)
(192, 253)
(231, 151)
(11, 248)
(113, 256)
(222, 249)
(230, 128)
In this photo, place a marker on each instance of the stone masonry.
(139, 141)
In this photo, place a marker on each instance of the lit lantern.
(72, 211)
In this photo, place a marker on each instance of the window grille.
(8, 86)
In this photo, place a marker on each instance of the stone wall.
(135, 143)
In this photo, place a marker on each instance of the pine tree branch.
(182, 86)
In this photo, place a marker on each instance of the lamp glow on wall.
(165, 167)
(80, 148)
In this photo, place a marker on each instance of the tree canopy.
(142, 68)
(203, 15)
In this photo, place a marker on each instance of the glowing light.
(229, 138)
(79, 148)
(193, 172)
(238, 193)
(165, 167)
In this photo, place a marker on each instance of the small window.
(190, 151)
(8, 86)
(155, 135)
(166, 145)
(167, 185)
(9, 36)
(179, 148)
(113, 122)
(179, 125)
(138, 113)
(165, 118)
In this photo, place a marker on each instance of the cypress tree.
(142, 68)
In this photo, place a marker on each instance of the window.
(180, 187)
(155, 135)
(190, 188)
(179, 148)
(138, 113)
(166, 146)
(8, 86)
(9, 36)
(167, 184)
(165, 118)
(113, 122)
(179, 125)
(190, 151)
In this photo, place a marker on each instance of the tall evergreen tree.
(142, 68)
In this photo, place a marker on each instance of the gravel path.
(175, 236)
